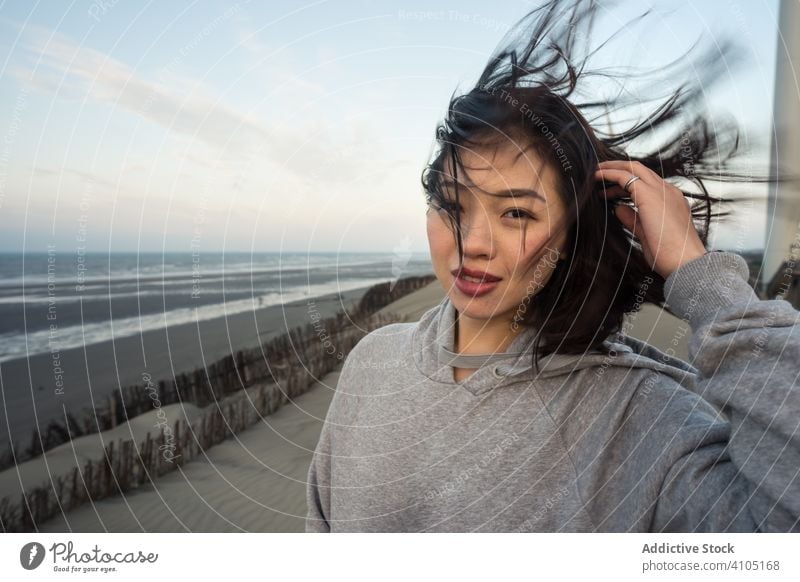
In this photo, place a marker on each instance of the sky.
(284, 127)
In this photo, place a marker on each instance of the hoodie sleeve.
(740, 472)
(318, 488)
(318, 492)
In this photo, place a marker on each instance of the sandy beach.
(253, 482)
(256, 481)
(91, 373)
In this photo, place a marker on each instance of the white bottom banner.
(354, 557)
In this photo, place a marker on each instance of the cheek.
(543, 244)
(442, 248)
(440, 238)
(538, 263)
(543, 272)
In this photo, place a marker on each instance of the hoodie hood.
(433, 345)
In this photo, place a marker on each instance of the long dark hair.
(529, 90)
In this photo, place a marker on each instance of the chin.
(484, 307)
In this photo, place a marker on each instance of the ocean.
(51, 301)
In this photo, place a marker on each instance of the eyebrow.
(510, 193)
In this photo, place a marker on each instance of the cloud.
(85, 177)
(110, 81)
(185, 107)
(304, 169)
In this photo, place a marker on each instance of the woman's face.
(509, 208)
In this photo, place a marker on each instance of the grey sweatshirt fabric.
(630, 440)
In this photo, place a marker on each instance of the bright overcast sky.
(278, 126)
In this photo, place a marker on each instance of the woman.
(516, 404)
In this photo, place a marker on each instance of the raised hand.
(661, 219)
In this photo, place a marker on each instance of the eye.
(520, 214)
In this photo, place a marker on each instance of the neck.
(479, 336)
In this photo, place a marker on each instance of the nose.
(477, 234)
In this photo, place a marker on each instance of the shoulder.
(364, 370)
(661, 387)
(664, 407)
(387, 337)
(380, 349)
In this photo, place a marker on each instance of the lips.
(482, 284)
(482, 275)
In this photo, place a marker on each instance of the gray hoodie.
(629, 440)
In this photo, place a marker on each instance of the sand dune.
(253, 482)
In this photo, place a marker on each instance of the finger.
(621, 177)
(632, 167)
(613, 190)
(627, 174)
(629, 219)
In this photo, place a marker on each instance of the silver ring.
(629, 182)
